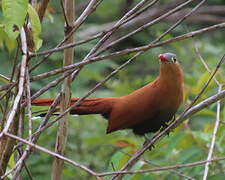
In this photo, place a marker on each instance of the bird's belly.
(153, 124)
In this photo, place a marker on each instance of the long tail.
(102, 105)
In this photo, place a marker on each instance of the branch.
(127, 51)
(61, 139)
(42, 8)
(89, 171)
(21, 82)
(213, 137)
(166, 168)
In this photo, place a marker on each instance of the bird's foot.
(164, 126)
(147, 140)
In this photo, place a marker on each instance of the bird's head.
(170, 70)
(168, 58)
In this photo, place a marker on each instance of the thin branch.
(34, 3)
(4, 77)
(100, 34)
(114, 28)
(213, 137)
(9, 87)
(206, 66)
(90, 9)
(29, 105)
(144, 26)
(61, 138)
(61, 48)
(127, 51)
(64, 14)
(89, 171)
(18, 166)
(166, 168)
(21, 83)
(107, 35)
(42, 8)
(158, 166)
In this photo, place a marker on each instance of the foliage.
(87, 141)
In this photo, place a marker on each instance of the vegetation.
(87, 143)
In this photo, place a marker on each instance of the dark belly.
(152, 125)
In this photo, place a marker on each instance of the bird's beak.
(162, 58)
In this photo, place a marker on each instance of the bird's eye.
(174, 59)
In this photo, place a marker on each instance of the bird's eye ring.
(174, 59)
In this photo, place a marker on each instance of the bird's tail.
(102, 105)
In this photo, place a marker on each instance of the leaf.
(216, 177)
(206, 112)
(173, 142)
(115, 161)
(36, 26)
(14, 16)
(11, 161)
(201, 83)
(190, 154)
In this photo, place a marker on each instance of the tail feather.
(88, 106)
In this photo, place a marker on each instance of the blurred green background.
(87, 142)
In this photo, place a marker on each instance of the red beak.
(162, 58)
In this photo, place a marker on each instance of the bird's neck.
(171, 74)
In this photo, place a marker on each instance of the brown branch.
(89, 171)
(61, 139)
(11, 125)
(166, 168)
(42, 8)
(127, 51)
(90, 9)
(151, 23)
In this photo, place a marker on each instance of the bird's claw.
(146, 142)
(151, 147)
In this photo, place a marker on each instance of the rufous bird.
(146, 110)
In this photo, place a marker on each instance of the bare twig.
(107, 35)
(206, 66)
(42, 8)
(64, 13)
(61, 139)
(166, 168)
(90, 8)
(21, 83)
(158, 166)
(127, 51)
(162, 168)
(18, 166)
(29, 105)
(213, 137)
(53, 154)
(92, 37)
(144, 26)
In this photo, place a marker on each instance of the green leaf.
(11, 161)
(36, 26)
(115, 160)
(173, 142)
(14, 15)
(216, 177)
(206, 112)
(190, 154)
(201, 83)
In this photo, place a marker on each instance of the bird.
(145, 110)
